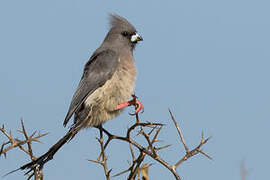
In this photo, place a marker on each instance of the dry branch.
(13, 143)
(151, 137)
(103, 160)
(149, 131)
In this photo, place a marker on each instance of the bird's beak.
(136, 37)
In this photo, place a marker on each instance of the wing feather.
(97, 71)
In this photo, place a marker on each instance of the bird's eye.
(125, 33)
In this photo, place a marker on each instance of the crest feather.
(117, 21)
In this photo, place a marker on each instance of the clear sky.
(209, 61)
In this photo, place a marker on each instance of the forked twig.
(13, 143)
(152, 151)
(102, 161)
(149, 131)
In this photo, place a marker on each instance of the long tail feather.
(39, 162)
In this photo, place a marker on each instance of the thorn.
(109, 172)
(205, 141)
(37, 141)
(10, 134)
(206, 155)
(162, 147)
(153, 128)
(32, 134)
(123, 172)
(94, 161)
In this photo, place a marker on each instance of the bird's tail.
(39, 162)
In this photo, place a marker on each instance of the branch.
(151, 150)
(102, 162)
(179, 132)
(18, 143)
(189, 153)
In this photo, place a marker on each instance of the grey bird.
(105, 87)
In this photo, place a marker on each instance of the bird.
(105, 87)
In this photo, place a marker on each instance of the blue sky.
(206, 60)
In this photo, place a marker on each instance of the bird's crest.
(117, 21)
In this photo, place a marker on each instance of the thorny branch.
(148, 130)
(150, 149)
(18, 143)
(188, 152)
(103, 160)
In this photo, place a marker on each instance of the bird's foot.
(135, 102)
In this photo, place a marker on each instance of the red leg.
(138, 105)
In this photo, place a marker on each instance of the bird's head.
(122, 33)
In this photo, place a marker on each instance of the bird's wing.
(97, 71)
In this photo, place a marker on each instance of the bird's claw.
(138, 105)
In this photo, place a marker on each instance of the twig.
(15, 142)
(189, 153)
(141, 148)
(29, 142)
(132, 152)
(102, 162)
(144, 170)
(151, 151)
(138, 162)
(179, 132)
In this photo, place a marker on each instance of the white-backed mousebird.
(105, 87)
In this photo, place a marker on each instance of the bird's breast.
(101, 105)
